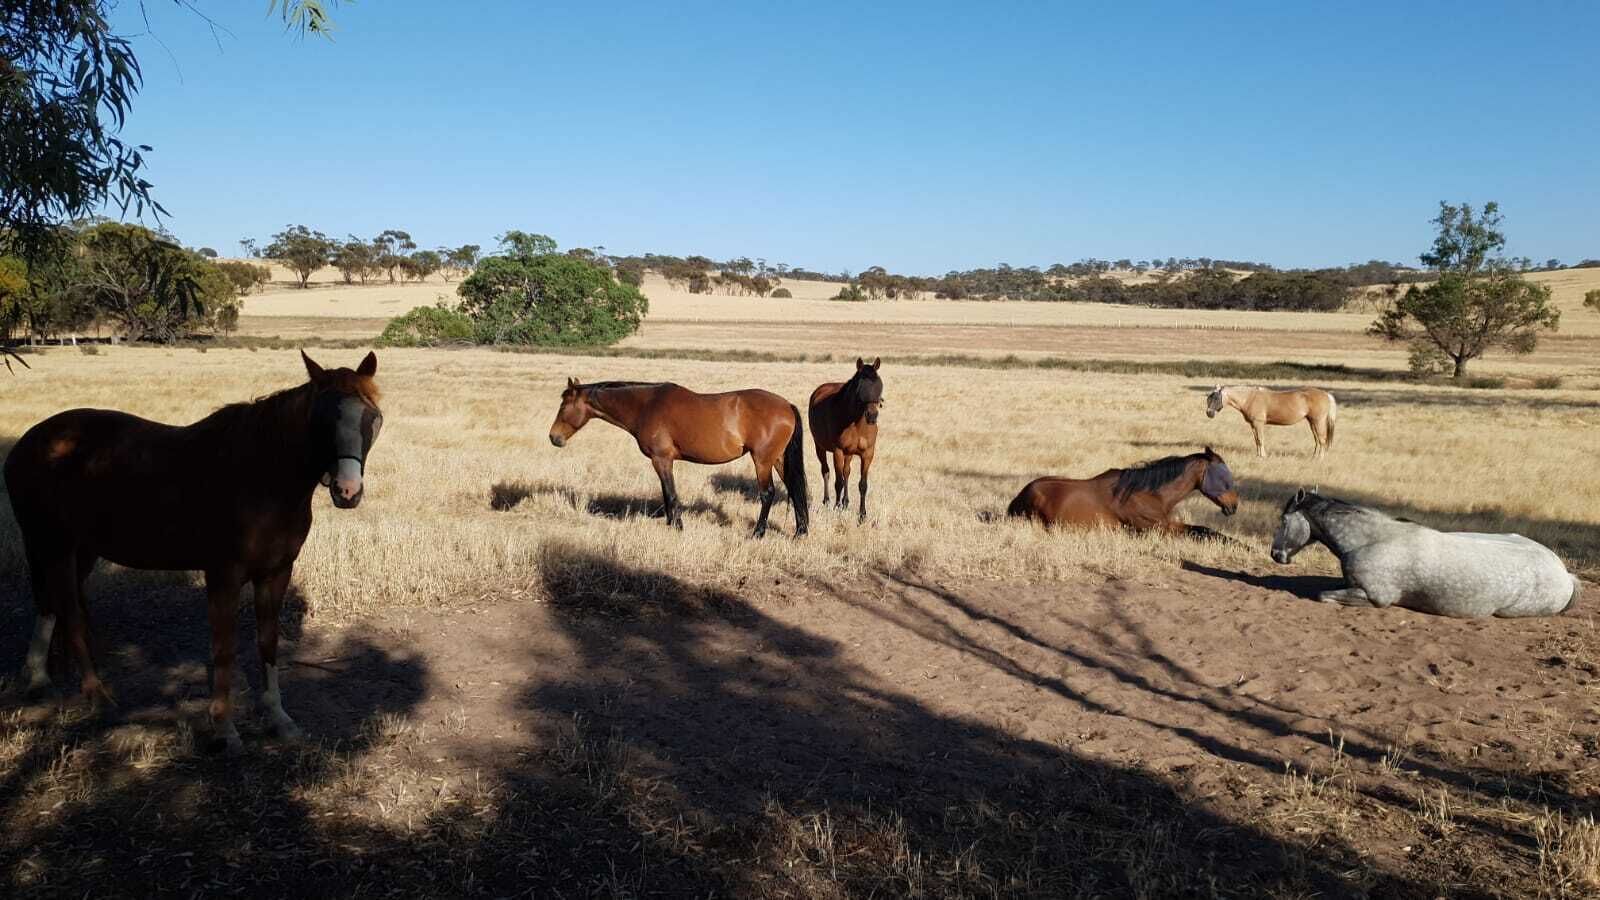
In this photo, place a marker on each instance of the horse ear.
(860, 364)
(369, 365)
(312, 369)
(572, 382)
(877, 362)
(1299, 496)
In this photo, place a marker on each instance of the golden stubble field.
(517, 681)
(465, 427)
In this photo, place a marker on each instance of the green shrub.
(782, 294)
(533, 295)
(428, 326)
(1486, 383)
(1548, 382)
(851, 293)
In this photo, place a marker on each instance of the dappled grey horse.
(1395, 562)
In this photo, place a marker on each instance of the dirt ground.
(1208, 733)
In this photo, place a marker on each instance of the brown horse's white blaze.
(91, 484)
(670, 423)
(844, 423)
(1262, 406)
(1141, 498)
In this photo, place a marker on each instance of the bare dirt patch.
(615, 731)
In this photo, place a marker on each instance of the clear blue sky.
(920, 137)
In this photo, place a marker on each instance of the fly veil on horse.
(1141, 498)
(229, 495)
(1262, 406)
(844, 422)
(672, 423)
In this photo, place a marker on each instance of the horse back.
(716, 428)
(1054, 500)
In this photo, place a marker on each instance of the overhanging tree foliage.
(67, 84)
(1476, 303)
(152, 288)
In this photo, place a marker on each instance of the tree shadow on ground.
(820, 779)
(507, 495)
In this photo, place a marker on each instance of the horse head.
(1294, 528)
(1217, 484)
(1214, 402)
(345, 421)
(573, 414)
(869, 388)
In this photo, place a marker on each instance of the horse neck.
(619, 406)
(1238, 398)
(1343, 533)
(1173, 492)
(270, 438)
(848, 401)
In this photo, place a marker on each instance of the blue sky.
(921, 137)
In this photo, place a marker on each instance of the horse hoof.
(288, 732)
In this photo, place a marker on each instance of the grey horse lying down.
(1395, 562)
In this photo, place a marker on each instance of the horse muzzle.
(557, 439)
(1211, 414)
(345, 493)
(1280, 556)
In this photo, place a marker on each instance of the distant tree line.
(392, 254)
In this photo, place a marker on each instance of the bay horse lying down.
(1393, 562)
(672, 423)
(1261, 407)
(1140, 498)
(229, 495)
(844, 422)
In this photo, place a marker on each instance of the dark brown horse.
(229, 495)
(844, 422)
(1140, 498)
(672, 423)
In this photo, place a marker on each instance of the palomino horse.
(229, 495)
(672, 423)
(844, 422)
(1394, 562)
(1261, 406)
(1140, 498)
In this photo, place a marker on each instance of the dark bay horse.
(229, 495)
(1140, 498)
(844, 422)
(672, 423)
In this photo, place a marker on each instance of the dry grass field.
(518, 682)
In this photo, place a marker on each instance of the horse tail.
(794, 473)
(1333, 414)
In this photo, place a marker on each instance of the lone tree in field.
(302, 250)
(1476, 303)
(530, 294)
(1592, 300)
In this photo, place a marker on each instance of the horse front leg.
(222, 604)
(1348, 596)
(841, 472)
(866, 463)
(669, 490)
(269, 593)
(1261, 447)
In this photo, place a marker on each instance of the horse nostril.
(558, 440)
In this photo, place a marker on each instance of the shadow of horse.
(1306, 587)
(505, 496)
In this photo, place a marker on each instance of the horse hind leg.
(767, 491)
(1319, 437)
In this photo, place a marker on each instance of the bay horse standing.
(672, 423)
(1263, 406)
(844, 422)
(1140, 498)
(229, 495)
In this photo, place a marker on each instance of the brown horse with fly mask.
(1140, 498)
(672, 423)
(844, 422)
(229, 495)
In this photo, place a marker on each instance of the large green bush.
(532, 295)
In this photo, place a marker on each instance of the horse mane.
(618, 385)
(276, 423)
(1152, 475)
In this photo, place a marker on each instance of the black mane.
(1152, 475)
